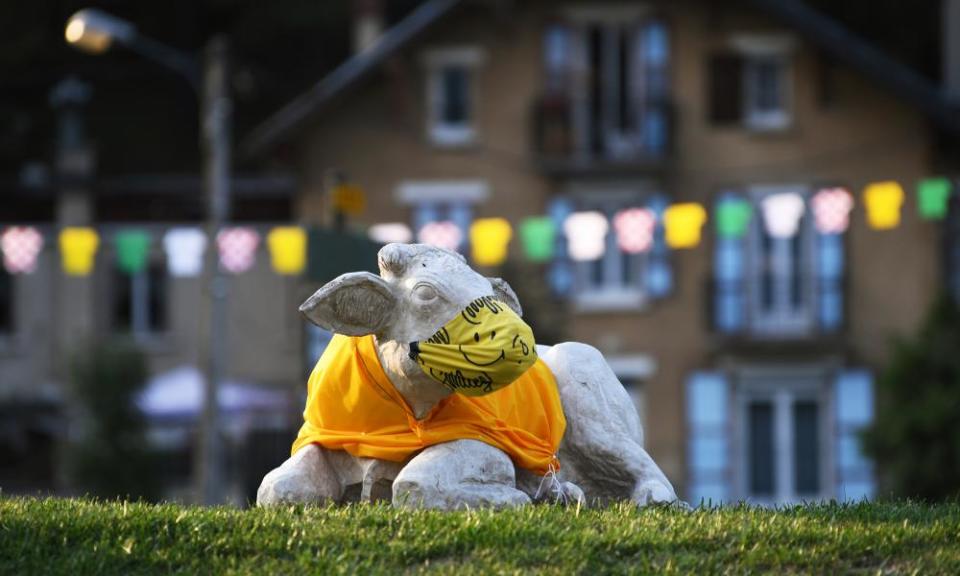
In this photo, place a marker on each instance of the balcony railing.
(573, 136)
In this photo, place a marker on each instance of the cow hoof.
(653, 492)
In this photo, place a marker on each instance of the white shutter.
(853, 404)
(708, 439)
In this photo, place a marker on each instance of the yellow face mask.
(484, 348)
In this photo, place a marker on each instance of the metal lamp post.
(94, 31)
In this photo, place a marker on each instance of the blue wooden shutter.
(853, 410)
(729, 279)
(423, 214)
(560, 274)
(708, 438)
(461, 214)
(830, 265)
(659, 275)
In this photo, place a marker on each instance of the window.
(6, 302)
(443, 224)
(139, 301)
(442, 210)
(781, 284)
(607, 85)
(778, 434)
(620, 280)
(451, 95)
(783, 287)
(765, 91)
(315, 343)
(634, 371)
(783, 435)
(750, 85)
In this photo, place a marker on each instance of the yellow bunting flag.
(78, 246)
(288, 249)
(489, 238)
(683, 223)
(883, 201)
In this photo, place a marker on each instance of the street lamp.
(95, 32)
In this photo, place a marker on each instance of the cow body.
(419, 288)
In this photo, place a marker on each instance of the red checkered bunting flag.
(443, 234)
(21, 245)
(831, 210)
(634, 227)
(238, 249)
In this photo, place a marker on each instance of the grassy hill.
(56, 536)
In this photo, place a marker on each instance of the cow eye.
(424, 292)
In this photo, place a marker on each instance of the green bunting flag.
(537, 235)
(132, 249)
(932, 197)
(733, 215)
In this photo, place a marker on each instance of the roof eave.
(902, 80)
(282, 123)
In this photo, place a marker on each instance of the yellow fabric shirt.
(353, 406)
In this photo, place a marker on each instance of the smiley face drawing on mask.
(482, 349)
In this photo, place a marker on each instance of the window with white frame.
(751, 83)
(766, 82)
(452, 94)
(784, 437)
(442, 210)
(619, 279)
(315, 342)
(781, 284)
(778, 285)
(609, 64)
(633, 371)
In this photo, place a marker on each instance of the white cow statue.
(419, 289)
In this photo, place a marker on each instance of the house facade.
(49, 318)
(751, 359)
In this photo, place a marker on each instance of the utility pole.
(215, 117)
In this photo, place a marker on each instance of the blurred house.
(47, 317)
(752, 360)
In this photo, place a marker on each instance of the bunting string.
(565, 234)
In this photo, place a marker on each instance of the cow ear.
(503, 292)
(354, 304)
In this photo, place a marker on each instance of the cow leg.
(307, 477)
(602, 450)
(456, 475)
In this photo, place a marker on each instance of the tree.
(110, 457)
(915, 438)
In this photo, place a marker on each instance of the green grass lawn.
(79, 537)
